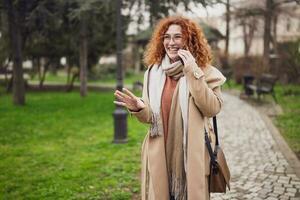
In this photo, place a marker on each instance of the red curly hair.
(193, 39)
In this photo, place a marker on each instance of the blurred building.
(287, 25)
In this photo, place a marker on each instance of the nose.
(172, 41)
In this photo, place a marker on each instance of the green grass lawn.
(128, 79)
(59, 146)
(61, 77)
(231, 84)
(289, 122)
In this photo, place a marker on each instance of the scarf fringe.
(154, 128)
(177, 188)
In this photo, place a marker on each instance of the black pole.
(120, 114)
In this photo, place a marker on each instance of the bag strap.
(210, 151)
(207, 141)
(216, 130)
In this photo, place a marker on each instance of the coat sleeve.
(205, 88)
(144, 115)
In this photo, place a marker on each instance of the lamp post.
(120, 114)
(274, 58)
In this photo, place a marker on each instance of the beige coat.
(205, 101)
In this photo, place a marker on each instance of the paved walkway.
(259, 169)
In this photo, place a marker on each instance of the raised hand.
(128, 100)
(186, 56)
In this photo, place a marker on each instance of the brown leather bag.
(219, 176)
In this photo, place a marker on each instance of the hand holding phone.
(186, 56)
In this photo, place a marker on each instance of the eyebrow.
(174, 34)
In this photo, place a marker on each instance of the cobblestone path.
(259, 169)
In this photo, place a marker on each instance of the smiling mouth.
(173, 50)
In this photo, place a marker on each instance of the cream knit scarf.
(178, 119)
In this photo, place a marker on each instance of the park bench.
(263, 85)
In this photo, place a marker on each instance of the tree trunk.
(137, 58)
(71, 84)
(68, 73)
(227, 29)
(16, 46)
(43, 74)
(245, 36)
(154, 10)
(249, 27)
(83, 51)
(274, 37)
(39, 68)
(267, 33)
(54, 66)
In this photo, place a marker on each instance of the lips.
(173, 50)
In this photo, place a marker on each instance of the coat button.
(196, 74)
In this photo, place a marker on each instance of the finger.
(120, 103)
(123, 95)
(188, 55)
(183, 60)
(182, 56)
(123, 99)
(119, 92)
(183, 52)
(120, 98)
(129, 93)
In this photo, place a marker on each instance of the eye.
(166, 37)
(178, 37)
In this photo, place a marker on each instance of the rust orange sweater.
(166, 100)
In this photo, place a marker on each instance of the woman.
(181, 92)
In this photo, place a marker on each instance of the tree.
(83, 53)
(45, 36)
(227, 35)
(16, 12)
(268, 15)
(50, 29)
(249, 16)
(4, 42)
(248, 19)
(161, 8)
(227, 4)
(271, 13)
(95, 24)
(249, 28)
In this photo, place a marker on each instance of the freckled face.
(173, 41)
